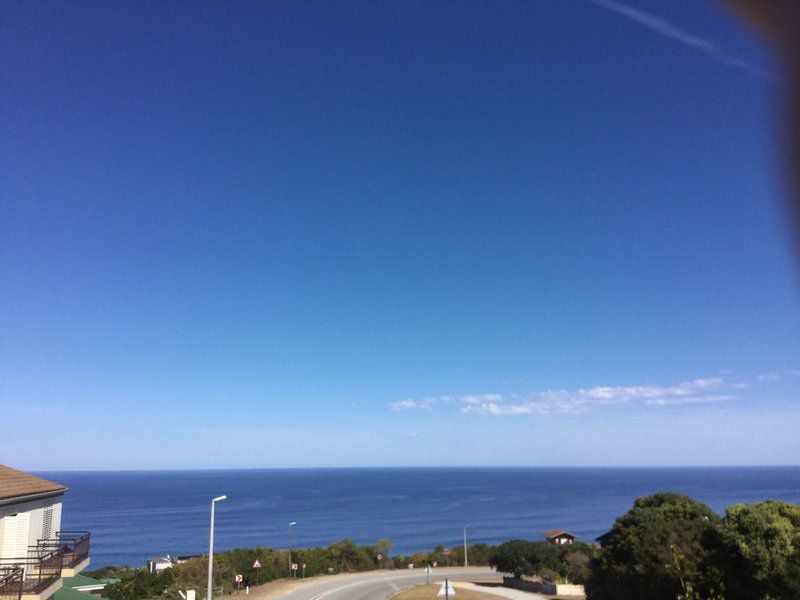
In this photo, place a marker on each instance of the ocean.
(134, 515)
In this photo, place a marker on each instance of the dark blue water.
(134, 515)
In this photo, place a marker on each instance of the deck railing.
(11, 583)
(40, 569)
(74, 545)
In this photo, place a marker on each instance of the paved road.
(501, 592)
(378, 586)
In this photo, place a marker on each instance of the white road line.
(362, 582)
(386, 578)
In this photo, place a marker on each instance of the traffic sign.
(446, 589)
(238, 579)
(256, 565)
(294, 566)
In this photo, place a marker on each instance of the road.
(378, 585)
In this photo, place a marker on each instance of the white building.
(160, 563)
(34, 552)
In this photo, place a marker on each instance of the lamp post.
(290, 548)
(211, 545)
(466, 563)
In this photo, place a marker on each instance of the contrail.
(709, 48)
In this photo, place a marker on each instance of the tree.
(757, 547)
(575, 560)
(638, 559)
(520, 557)
(383, 548)
(140, 585)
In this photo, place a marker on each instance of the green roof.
(67, 593)
(79, 580)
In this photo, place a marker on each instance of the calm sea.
(135, 515)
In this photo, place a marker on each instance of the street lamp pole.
(466, 563)
(290, 548)
(211, 545)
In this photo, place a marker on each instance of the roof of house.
(601, 538)
(554, 533)
(68, 591)
(17, 484)
(79, 580)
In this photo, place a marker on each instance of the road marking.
(362, 582)
(388, 579)
(395, 587)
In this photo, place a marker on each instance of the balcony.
(74, 546)
(36, 577)
(11, 583)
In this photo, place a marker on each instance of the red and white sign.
(294, 566)
(256, 565)
(238, 579)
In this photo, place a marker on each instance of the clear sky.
(289, 234)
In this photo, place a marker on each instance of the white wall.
(23, 523)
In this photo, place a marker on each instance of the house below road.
(559, 537)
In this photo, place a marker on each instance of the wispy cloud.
(409, 405)
(663, 27)
(778, 375)
(697, 391)
(690, 400)
(429, 402)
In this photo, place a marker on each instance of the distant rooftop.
(18, 484)
(553, 533)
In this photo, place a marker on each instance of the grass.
(428, 592)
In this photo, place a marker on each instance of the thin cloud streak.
(708, 47)
(697, 391)
(778, 375)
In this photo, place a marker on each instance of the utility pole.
(211, 546)
(290, 548)
(466, 562)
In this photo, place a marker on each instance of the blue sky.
(289, 234)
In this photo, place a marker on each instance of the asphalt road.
(379, 585)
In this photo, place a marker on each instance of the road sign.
(238, 579)
(256, 566)
(294, 566)
(446, 590)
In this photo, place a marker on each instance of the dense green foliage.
(568, 563)
(757, 549)
(653, 549)
(520, 557)
(141, 584)
(671, 547)
(110, 572)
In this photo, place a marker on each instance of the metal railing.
(40, 569)
(11, 583)
(74, 546)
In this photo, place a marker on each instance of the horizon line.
(431, 467)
